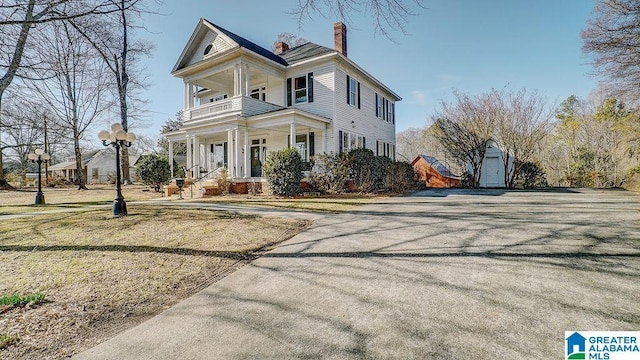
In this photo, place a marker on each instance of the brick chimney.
(340, 37)
(281, 47)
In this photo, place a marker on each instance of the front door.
(256, 164)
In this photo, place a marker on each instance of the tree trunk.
(122, 90)
(79, 170)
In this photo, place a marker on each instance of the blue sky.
(468, 45)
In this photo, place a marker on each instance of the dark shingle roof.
(305, 51)
(249, 45)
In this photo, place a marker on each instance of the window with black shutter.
(289, 94)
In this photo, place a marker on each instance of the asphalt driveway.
(438, 275)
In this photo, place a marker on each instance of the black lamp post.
(117, 138)
(39, 157)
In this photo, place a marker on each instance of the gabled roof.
(437, 166)
(249, 45)
(235, 41)
(305, 51)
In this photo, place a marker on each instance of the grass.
(6, 340)
(334, 203)
(17, 300)
(103, 274)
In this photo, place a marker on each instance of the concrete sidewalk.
(441, 275)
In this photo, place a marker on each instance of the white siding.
(365, 122)
(323, 91)
(219, 44)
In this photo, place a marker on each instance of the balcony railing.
(238, 105)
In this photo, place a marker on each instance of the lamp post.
(39, 157)
(117, 138)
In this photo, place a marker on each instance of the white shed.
(492, 169)
(98, 166)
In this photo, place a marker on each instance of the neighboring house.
(99, 167)
(434, 173)
(492, 169)
(242, 101)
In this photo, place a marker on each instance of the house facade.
(98, 167)
(242, 101)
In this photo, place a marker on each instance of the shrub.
(531, 175)
(367, 170)
(154, 170)
(283, 170)
(329, 172)
(399, 176)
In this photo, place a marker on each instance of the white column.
(196, 157)
(186, 95)
(171, 158)
(236, 156)
(189, 156)
(236, 80)
(247, 87)
(230, 152)
(325, 138)
(247, 171)
(292, 135)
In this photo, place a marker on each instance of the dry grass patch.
(333, 203)
(102, 274)
(71, 195)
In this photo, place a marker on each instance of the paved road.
(439, 275)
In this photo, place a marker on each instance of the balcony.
(237, 105)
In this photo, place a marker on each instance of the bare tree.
(611, 39)
(464, 127)
(17, 20)
(387, 16)
(76, 87)
(111, 37)
(290, 39)
(523, 121)
(411, 143)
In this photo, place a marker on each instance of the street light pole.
(117, 138)
(39, 156)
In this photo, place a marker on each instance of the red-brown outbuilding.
(434, 173)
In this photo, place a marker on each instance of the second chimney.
(281, 47)
(340, 37)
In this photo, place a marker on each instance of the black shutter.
(312, 144)
(384, 109)
(289, 140)
(340, 142)
(310, 87)
(289, 92)
(226, 155)
(377, 147)
(364, 142)
(348, 89)
(358, 95)
(393, 113)
(377, 115)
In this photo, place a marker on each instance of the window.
(219, 97)
(385, 109)
(300, 89)
(349, 141)
(385, 149)
(353, 92)
(208, 49)
(259, 93)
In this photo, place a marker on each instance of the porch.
(240, 145)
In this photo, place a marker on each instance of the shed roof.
(441, 168)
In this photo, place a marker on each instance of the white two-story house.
(242, 101)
